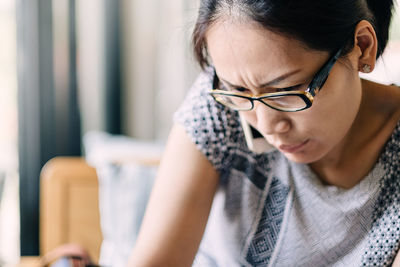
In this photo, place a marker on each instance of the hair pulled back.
(323, 25)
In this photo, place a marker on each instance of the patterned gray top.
(269, 211)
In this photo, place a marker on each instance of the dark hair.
(324, 25)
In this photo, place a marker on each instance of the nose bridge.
(261, 104)
(269, 120)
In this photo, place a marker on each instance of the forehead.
(246, 47)
(248, 34)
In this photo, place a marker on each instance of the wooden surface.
(29, 262)
(69, 210)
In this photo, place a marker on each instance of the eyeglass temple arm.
(322, 75)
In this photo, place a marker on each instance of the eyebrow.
(270, 83)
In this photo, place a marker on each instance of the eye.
(291, 88)
(233, 89)
(240, 89)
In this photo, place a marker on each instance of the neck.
(356, 154)
(335, 168)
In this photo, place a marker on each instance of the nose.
(271, 121)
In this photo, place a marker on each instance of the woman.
(328, 193)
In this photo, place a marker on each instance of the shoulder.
(215, 129)
(384, 98)
(381, 104)
(393, 101)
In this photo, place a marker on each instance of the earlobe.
(366, 42)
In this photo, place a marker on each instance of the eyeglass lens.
(287, 102)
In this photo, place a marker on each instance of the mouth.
(293, 148)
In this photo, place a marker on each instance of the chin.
(309, 154)
(303, 158)
(298, 159)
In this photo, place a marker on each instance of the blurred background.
(72, 66)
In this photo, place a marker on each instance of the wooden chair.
(69, 207)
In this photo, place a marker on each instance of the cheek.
(250, 117)
(340, 97)
(335, 109)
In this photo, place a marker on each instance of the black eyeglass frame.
(307, 96)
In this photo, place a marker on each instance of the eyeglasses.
(287, 101)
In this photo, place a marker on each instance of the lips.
(292, 148)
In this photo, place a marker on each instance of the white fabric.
(124, 188)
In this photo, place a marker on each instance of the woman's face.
(247, 56)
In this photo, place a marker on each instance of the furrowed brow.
(270, 83)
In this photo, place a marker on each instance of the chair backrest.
(69, 208)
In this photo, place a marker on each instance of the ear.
(366, 43)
